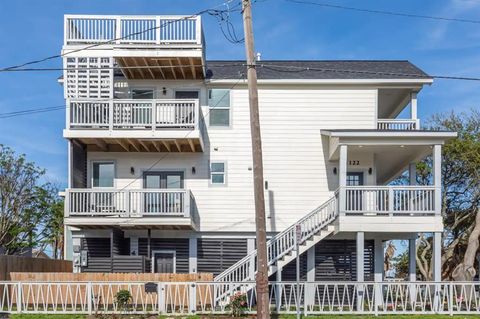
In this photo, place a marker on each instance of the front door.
(158, 202)
(354, 196)
(163, 262)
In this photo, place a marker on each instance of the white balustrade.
(283, 243)
(390, 200)
(211, 298)
(133, 114)
(146, 30)
(128, 203)
(398, 124)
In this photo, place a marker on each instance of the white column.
(378, 270)
(360, 269)
(412, 173)
(437, 268)
(412, 261)
(310, 288)
(437, 177)
(437, 256)
(379, 259)
(413, 110)
(250, 248)
(342, 177)
(192, 255)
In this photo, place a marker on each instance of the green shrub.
(123, 298)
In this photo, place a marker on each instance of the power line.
(31, 111)
(210, 11)
(297, 69)
(384, 12)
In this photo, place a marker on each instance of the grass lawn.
(40, 316)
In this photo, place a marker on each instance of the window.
(103, 174)
(219, 107)
(217, 173)
(142, 94)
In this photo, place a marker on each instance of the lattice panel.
(88, 77)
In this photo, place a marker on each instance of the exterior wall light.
(194, 170)
(164, 91)
(334, 171)
(132, 170)
(370, 171)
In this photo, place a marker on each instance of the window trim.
(114, 173)
(229, 108)
(153, 88)
(210, 173)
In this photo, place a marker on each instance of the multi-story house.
(160, 162)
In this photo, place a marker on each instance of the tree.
(27, 206)
(461, 198)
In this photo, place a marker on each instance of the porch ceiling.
(188, 145)
(393, 150)
(167, 68)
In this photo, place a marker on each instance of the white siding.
(295, 166)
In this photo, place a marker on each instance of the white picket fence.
(178, 298)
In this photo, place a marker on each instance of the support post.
(437, 177)
(412, 261)
(310, 286)
(360, 269)
(412, 268)
(251, 268)
(342, 178)
(262, 260)
(192, 255)
(378, 270)
(278, 289)
(437, 268)
(413, 109)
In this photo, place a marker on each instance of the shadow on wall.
(271, 210)
(332, 179)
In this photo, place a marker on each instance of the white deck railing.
(119, 114)
(209, 298)
(127, 203)
(398, 124)
(390, 200)
(283, 243)
(145, 30)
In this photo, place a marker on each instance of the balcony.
(389, 200)
(143, 47)
(398, 124)
(136, 125)
(130, 207)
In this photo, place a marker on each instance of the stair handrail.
(283, 242)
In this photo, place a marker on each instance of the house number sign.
(354, 163)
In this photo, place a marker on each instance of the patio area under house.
(160, 179)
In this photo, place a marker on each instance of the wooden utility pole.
(262, 262)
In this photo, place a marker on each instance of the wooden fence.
(113, 277)
(9, 264)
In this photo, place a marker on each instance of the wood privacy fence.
(9, 264)
(108, 277)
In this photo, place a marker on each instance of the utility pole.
(262, 262)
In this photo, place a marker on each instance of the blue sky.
(34, 29)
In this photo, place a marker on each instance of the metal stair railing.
(283, 243)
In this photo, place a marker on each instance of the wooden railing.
(133, 114)
(127, 203)
(398, 124)
(145, 30)
(389, 200)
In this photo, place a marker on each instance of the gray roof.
(281, 69)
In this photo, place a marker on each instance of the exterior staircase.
(313, 227)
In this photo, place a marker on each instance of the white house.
(160, 163)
